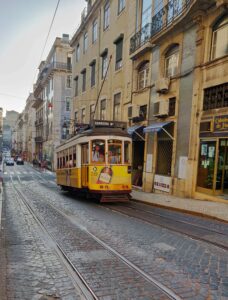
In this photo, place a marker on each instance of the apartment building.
(101, 77)
(52, 92)
(183, 51)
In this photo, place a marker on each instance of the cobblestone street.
(55, 245)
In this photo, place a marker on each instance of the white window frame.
(94, 31)
(106, 15)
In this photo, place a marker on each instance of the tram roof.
(98, 128)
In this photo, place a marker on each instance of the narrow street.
(56, 245)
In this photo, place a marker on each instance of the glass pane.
(98, 151)
(221, 179)
(206, 164)
(114, 151)
(127, 153)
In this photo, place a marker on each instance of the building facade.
(8, 123)
(162, 67)
(186, 135)
(52, 92)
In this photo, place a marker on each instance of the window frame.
(83, 81)
(117, 103)
(68, 102)
(216, 28)
(77, 52)
(93, 74)
(173, 52)
(94, 31)
(119, 54)
(103, 109)
(69, 81)
(85, 42)
(106, 15)
(121, 6)
(104, 65)
(143, 75)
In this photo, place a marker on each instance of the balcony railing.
(163, 19)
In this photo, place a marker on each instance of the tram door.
(84, 164)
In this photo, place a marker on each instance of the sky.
(24, 26)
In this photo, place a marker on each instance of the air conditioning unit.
(133, 111)
(161, 108)
(162, 85)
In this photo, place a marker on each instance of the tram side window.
(74, 156)
(98, 151)
(114, 151)
(127, 152)
(70, 162)
(58, 161)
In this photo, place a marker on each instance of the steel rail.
(164, 289)
(77, 279)
(170, 227)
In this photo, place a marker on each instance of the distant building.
(52, 92)
(8, 124)
(1, 129)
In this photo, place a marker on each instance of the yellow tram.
(98, 161)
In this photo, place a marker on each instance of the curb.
(182, 210)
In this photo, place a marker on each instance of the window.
(146, 12)
(216, 97)
(76, 117)
(119, 53)
(76, 86)
(171, 61)
(104, 64)
(68, 81)
(67, 103)
(103, 109)
(85, 42)
(106, 15)
(121, 5)
(98, 151)
(220, 38)
(83, 80)
(172, 106)
(114, 152)
(143, 73)
(93, 73)
(78, 52)
(83, 115)
(116, 108)
(94, 31)
(142, 112)
(92, 111)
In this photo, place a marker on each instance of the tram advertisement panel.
(109, 177)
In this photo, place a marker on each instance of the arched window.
(220, 38)
(143, 72)
(171, 61)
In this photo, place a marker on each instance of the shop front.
(213, 159)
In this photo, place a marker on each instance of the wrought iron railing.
(164, 18)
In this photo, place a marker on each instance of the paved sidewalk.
(201, 207)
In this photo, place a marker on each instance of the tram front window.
(114, 151)
(98, 151)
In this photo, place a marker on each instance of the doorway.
(213, 167)
(84, 164)
(222, 169)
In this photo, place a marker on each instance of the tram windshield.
(114, 151)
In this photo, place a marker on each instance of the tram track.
(77, 279)
(192, 230)
(165, 291)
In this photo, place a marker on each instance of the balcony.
(47, 70)
(162, 20)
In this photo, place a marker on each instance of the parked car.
(20, 161)
(10, 161)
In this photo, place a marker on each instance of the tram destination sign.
(221, 123)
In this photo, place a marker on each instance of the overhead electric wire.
(49, 31)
